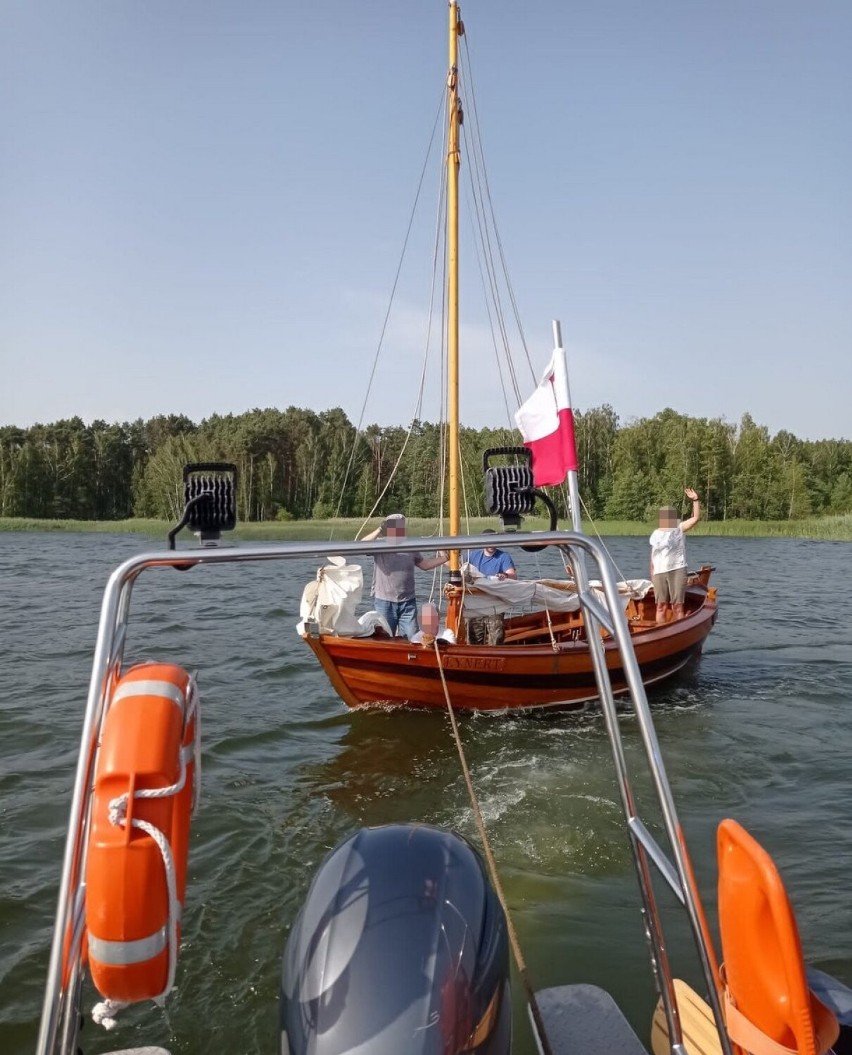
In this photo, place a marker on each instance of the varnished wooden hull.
(389, 671)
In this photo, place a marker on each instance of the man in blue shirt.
(492, 561)
(495, 563)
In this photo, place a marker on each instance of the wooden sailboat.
(527, 671)
(544, 660)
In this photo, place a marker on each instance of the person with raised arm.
(393, 578)
(668, 558)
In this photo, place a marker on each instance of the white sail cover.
(331, 600)
(491, 596)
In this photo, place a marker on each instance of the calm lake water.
(760, 729)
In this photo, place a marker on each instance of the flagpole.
(573, 485)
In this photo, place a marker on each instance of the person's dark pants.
(485, 630)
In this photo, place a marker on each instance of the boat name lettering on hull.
(472, 663)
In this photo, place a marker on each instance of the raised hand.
(691, 494)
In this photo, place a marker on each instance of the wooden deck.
(696, 1022)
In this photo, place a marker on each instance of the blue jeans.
(401, 616)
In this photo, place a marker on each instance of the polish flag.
(546, 422)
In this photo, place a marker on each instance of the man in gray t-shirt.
(393, 578)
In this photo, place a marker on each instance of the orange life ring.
(768, 1006)
(139, 837)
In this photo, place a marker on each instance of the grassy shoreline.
(831, 528)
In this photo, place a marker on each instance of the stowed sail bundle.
(331, 599)
(497, 596)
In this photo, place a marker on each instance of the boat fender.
(146, 789)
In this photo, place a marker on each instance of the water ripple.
(758, 729)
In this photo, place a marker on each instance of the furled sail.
(490, 596)
(332, 598)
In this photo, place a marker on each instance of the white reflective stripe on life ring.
(165, 689)
(124, 953)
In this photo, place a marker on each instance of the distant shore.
(830, 528)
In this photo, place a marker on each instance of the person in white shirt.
(668, 558)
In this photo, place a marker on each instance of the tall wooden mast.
(454, 115)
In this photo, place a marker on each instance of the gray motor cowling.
(400, 949)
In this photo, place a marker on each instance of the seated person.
(430, 621)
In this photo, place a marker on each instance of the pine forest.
(298, 464)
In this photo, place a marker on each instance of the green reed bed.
(831, 528)
(111, 527)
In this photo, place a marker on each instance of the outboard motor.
(400, 949)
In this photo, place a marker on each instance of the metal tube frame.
(61, 1009)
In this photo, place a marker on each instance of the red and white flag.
(546, 422)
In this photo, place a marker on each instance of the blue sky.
(202, 205)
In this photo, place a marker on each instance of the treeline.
(299, 464)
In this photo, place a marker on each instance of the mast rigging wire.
(468, 69)
(358, 428)
(493, 275)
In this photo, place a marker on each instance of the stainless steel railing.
(61, 1008)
